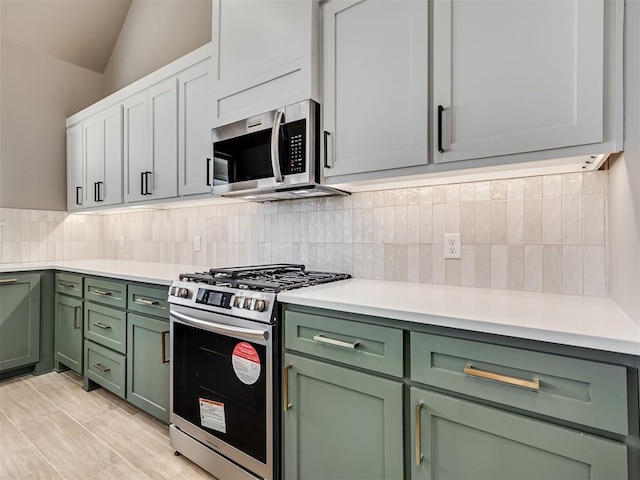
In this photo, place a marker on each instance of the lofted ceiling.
(82, 32)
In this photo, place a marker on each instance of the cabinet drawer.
(579, 391)
(149, 300)
(105, 367)
(107, 292)
(69, 284)
(106, 326)
(362, 345)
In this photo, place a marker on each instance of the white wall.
(624, 182)
(38, 93)
(155, 33)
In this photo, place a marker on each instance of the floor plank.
(18, 456)
(46, 473)
(121, 471)
(21, 403)
(78, 404)
(140, 445)
(68, 447)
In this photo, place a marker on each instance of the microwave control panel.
(296, 147)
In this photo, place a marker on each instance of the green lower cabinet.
(69, 334)
(458, 439)
(342, 423)
(148, 365)
(19, 320)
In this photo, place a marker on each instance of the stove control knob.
(260, 305)
(247, 303)
(236, 301)
(183, 293)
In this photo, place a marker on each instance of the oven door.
(222, 385)
(274, 149)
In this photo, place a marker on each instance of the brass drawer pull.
(75, 317)
(285, 395)
(418, 440)
(102, 326)
(520, 382)
(103, 293)
(67, 285)
(164, 346)
(101, 368)
(338, 343)
(8, 280)
(144, 301)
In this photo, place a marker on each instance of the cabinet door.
(68, 319)
(110, 191)
(19, 320)
(194, 135)
(75, 168)
(93, 158)
(162, 182)
(341, 423)
(460, 439)
(136, 146)
(148, 365)
(516, 76)
(375, 85)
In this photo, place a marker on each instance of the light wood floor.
(50, 428)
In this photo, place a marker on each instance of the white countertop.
(147, 272)
(588, 322)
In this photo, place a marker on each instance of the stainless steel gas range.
(225, 358)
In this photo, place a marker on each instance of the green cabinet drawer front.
(580, 391)
(105, 367)
(353, 343)
(106, 326)
(342, 424)
(459, 439)
(69, 284)
(19, 320)
(107, 292)
(148, 365)
(69, 328)
(149, 300)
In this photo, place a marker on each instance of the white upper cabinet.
(103, 158)
(516, 76)
(194, 134)
(375, 86)
(264, 56)
(75, 168)
(151, 143)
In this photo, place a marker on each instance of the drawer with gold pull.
(69, 284)
(579, 391)
(106, 326)
(149, 300)
(105, 367)
(372, 347)
(105, 291)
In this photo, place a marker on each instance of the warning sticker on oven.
(246, 363)
(212, 415)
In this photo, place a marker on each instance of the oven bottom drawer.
(105, 367)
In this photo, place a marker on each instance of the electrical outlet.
(196, 244)
(121, 241)
(452, 245)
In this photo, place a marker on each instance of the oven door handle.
(275, 146)
(221, 329)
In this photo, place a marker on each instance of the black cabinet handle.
(99, 188)
(142, 174)
(78, 195)
(326, 154)
(440, 110)
(208, 172)
(146, 183)
(95, 191)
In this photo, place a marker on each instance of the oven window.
(203, 369)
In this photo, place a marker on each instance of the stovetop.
(264, 278)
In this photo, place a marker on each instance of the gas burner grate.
(266, 278)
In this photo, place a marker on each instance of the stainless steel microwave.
(272, 156)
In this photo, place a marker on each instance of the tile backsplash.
(545, 233)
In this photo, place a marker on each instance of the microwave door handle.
(245, 333)
(275, 144)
